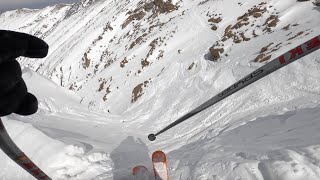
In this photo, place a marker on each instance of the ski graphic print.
(140, 173)
(160, 167)
(13, 151)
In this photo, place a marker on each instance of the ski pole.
(12, 150)
(277, 63)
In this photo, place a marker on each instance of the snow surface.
(267, 131)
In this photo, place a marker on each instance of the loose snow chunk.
(288, 164)
(58, 160)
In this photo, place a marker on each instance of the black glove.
(14, 97)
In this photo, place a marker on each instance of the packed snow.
(92, 124)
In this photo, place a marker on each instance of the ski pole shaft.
(277, 63)
(10, 149)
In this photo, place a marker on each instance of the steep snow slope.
(58, 149)
(150, 63)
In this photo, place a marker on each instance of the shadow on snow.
(130, 153)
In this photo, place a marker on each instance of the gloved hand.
(14, 97)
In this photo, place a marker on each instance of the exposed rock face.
(86, 61)
(214, 22)
(245, 29)
(155, 6)
(216, 52)
(138, 91)
(136, 16)
(163, 7)
(191, 66)
(78, 6)
(123, 62)
(109, 47)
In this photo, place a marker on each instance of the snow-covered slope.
(139, 65)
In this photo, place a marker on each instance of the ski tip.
(152, 137)
(138, 169)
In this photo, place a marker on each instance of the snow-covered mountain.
(128, 68)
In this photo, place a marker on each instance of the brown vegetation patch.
(137, 16)
(161, 52)
(145, 63)
(277, 47)
(228, 33)
(257, 14)
(215, 52)
(164, 7)
(264, 49)
(108, 58)
(108, 91)
(101, 86)
(271, 22)
(86, 61)
(203, 2)
(137, 92)
(73, 87)
(239, 32)
(215, 20)
(159, 6)
(153, 45)
(123, 62)
(191, 66)
(262, 57)
(96, 68)
(108, 27)
(298, 34)
(138, 40)
(237, 39)
(286, 28)
(265, 52)
(156, 25)
(243, 37)
(265, 58)
(214, 27)
(240, 24)
(254, 33)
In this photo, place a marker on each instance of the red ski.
(160, 167)
(140, 173)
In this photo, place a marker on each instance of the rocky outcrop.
(137, 92)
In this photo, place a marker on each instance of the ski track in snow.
(267, 131)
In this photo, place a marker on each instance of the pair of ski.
(160, 168)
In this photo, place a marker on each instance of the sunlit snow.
(267, 131)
